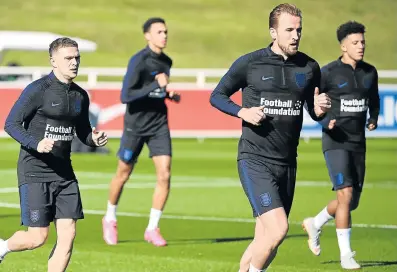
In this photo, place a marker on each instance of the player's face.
(157, 35)
(66, 61)
(288, 33)
(354, 46)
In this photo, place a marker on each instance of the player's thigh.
(160, 144)
(339, 168)
(130, 147)
(36, 203)
(68, 203)
(286, 177)
(260, 186)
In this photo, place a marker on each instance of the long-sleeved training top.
(354, 93)
(48, 108)
(283, 87)
(146, 112)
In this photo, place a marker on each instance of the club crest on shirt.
(77, 106)
(367, 81)
(300, 79)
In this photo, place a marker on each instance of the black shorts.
(268, 186)
(131, 146)
(42, 202)
(346, 168)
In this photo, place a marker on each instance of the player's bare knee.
(280, 234)
(276, 234)
(122, 178)
(38, 237)
(345, 196)
(163, 177)
(69, 234)
(123, 174)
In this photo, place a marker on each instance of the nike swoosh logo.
(53, 104)
(266, 78)
(342, 85)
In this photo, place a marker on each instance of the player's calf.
(66, 233)
(109, 221)
(23, 240)
(122, 175)
(342, 216)
(163, 170)
(275, 228)
(28, 240)
(343, 228)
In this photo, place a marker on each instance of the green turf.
(209, 168)
(203, 33)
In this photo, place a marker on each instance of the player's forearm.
(223, 103)
(312, 113)
(374, 108)
(129, 95)
(17, 132)
(373, 115)
(85, 135)
(325, 121)
(316, 117)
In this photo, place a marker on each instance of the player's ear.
(52, 61)
(147, 36)
(273, 33)
(343, 46)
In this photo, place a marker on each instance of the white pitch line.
(214, 184)
(202, 218)
(150, 177)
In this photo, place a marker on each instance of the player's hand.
(162, 79)
(174, 96)
(322, 103)
(99, 137)
(45, 146)
(371, 125)
(331, 124)
(252, 115)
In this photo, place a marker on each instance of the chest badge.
(300, 80)
(77, 106)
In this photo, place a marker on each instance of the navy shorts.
(42, 202)
(131, 146)
(346, 168)
(267, 186)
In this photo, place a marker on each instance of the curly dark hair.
(350, 27)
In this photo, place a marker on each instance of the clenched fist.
(45, 146)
